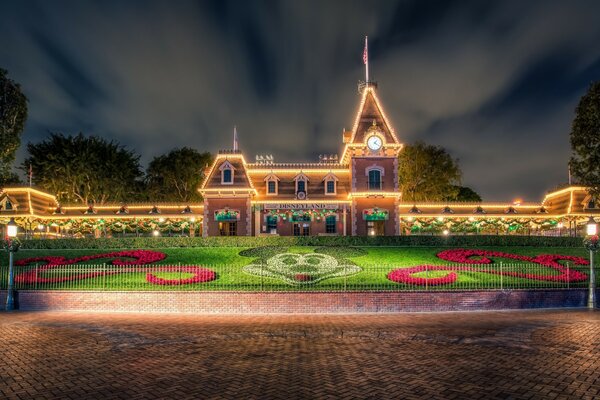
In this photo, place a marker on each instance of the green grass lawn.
(228, 264)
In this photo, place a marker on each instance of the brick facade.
(296, 302)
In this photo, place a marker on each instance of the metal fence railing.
(262, 278)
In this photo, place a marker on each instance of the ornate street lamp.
(12, 245)
(592, 243)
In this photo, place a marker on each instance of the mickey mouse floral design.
(301, 269)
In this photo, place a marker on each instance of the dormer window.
(374, 175)
(330, 184)
(301, 185)
(272, 184)
(226, 173)
(7, 205)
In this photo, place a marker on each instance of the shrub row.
(433, 241)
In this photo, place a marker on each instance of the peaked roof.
(370, 111)
(241, 180)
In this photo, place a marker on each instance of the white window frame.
(329, 178)
(301, 177)
(272, 178)
(381, 175)
(223, 167)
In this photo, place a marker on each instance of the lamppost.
(592, 244)
(12, 245)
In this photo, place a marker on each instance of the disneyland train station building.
(354, 194)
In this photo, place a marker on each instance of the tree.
(585, 140)
(175, 176)
(87, 170)
(466, 194)
(427, 173)
(13, 114)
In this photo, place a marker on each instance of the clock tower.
(371, 152)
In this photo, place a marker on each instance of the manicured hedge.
(434, 241)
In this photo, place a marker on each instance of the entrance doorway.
(375, 228)
(228, 228)
(301, 229)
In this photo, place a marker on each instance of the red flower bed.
(200, 275)
(139, 257)
(470, 256)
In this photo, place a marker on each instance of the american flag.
(366, 52)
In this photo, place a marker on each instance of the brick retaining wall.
(296, 302)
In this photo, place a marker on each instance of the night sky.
(496, 83)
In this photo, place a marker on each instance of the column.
(344, 220)
(257, 218)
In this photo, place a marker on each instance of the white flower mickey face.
(298, 269)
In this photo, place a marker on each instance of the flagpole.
(367, 60)
(235, 138)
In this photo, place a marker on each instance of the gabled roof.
(331, 175)
(241, 180)
(271, 177)
(29, 201)
(370, 113)
(301, 176)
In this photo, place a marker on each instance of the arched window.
(330, 184)
(374, 176)
(226, 173)
(272, 184)
(301, 183)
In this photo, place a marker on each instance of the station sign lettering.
(300, 206)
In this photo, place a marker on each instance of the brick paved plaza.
(491, 355)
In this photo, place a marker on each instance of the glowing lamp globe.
(11, 228)
(591, 227)
(156, 233)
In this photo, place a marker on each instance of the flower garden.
(300, 268)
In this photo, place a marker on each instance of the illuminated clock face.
(374, 143)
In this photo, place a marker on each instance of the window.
(227, 176)
(301, 186)
(330, 224)
(271, 224)
(330, 183)
(374, 179)
(330, 187)
(226, 173)
(272, 182)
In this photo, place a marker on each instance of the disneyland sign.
(300, 206)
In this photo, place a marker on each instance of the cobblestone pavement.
(487, 355)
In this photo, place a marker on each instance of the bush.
(283, 241)
(342, 251)
(263, 252)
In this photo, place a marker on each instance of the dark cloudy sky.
(495, 82)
